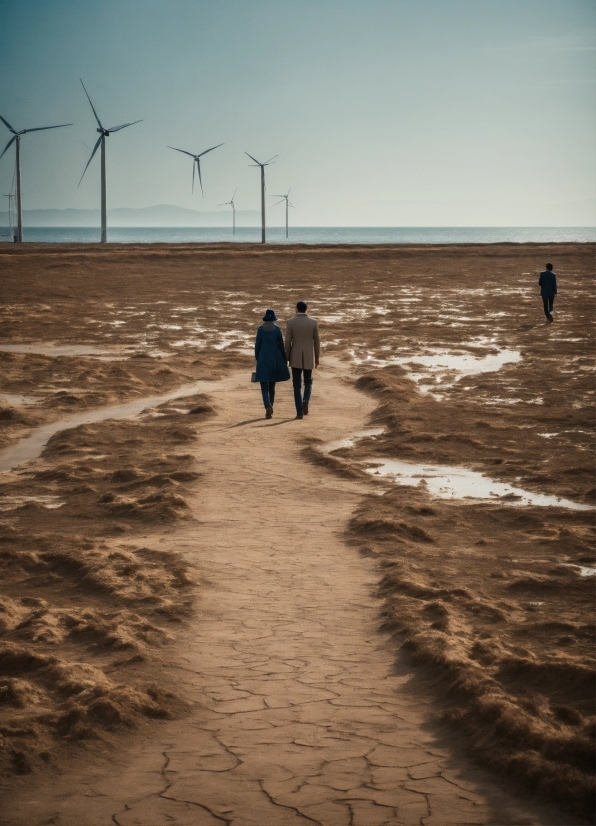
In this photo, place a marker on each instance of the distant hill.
(162, 215)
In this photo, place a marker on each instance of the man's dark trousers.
(548, 301)
(297, 382)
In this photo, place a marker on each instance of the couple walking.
(301, 351)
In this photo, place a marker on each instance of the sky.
(381, 112)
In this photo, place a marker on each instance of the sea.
(310, 235)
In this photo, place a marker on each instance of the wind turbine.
(231, 203)
(16, 136)
(262, 165)
(288, 204)
(196, 162)
(103, 134)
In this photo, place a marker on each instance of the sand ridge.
(298, 714)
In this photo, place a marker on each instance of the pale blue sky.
(382, 112)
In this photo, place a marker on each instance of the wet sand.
(142, 520)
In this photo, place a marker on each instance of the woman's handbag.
(253, 377)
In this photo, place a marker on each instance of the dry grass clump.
(488, 598)
(125, 471)
(84, 614)
(44, 698)
(97, 601)
(471, 592)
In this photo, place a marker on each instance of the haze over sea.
(312, 235)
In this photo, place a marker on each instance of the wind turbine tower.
(285, 198)
(16, 137)
(262, 165)
(101, 141)
(231, 203)
(10, 196)
(196, 163)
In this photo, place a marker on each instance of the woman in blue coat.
(271, 359)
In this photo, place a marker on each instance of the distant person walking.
(548, 290)
(271, 360)
(302, 351)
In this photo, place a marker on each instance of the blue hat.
(270, 316)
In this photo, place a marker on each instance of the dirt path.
(300, 715)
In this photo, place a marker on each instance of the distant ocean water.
(313, 235)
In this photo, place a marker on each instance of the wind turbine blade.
(279, 202)
(90, 104)
(210, 150)
(182, 150)
(7, 124)
(200, 181)
(41, 128)
(91, 158)
(278, 196)
(253, 159)
(122, 126)
(270, 159)
(193, 175)
(11, 141)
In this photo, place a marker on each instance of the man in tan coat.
(302, 352)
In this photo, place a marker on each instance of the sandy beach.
(382, 614)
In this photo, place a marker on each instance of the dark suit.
(548, 290)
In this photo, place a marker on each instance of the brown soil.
(486, 595)
(478, 593)
(82, 613)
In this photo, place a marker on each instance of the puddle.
(17, 399)
(464, 365)
(11, 503)
(331, 318)
(189, 342)
(582, 570)
(32, 447)
(353, 314)
(442, 363)
(232, 338)
(350, 441)
(448, 482)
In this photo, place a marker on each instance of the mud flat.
(489, 604)
(87, 606)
